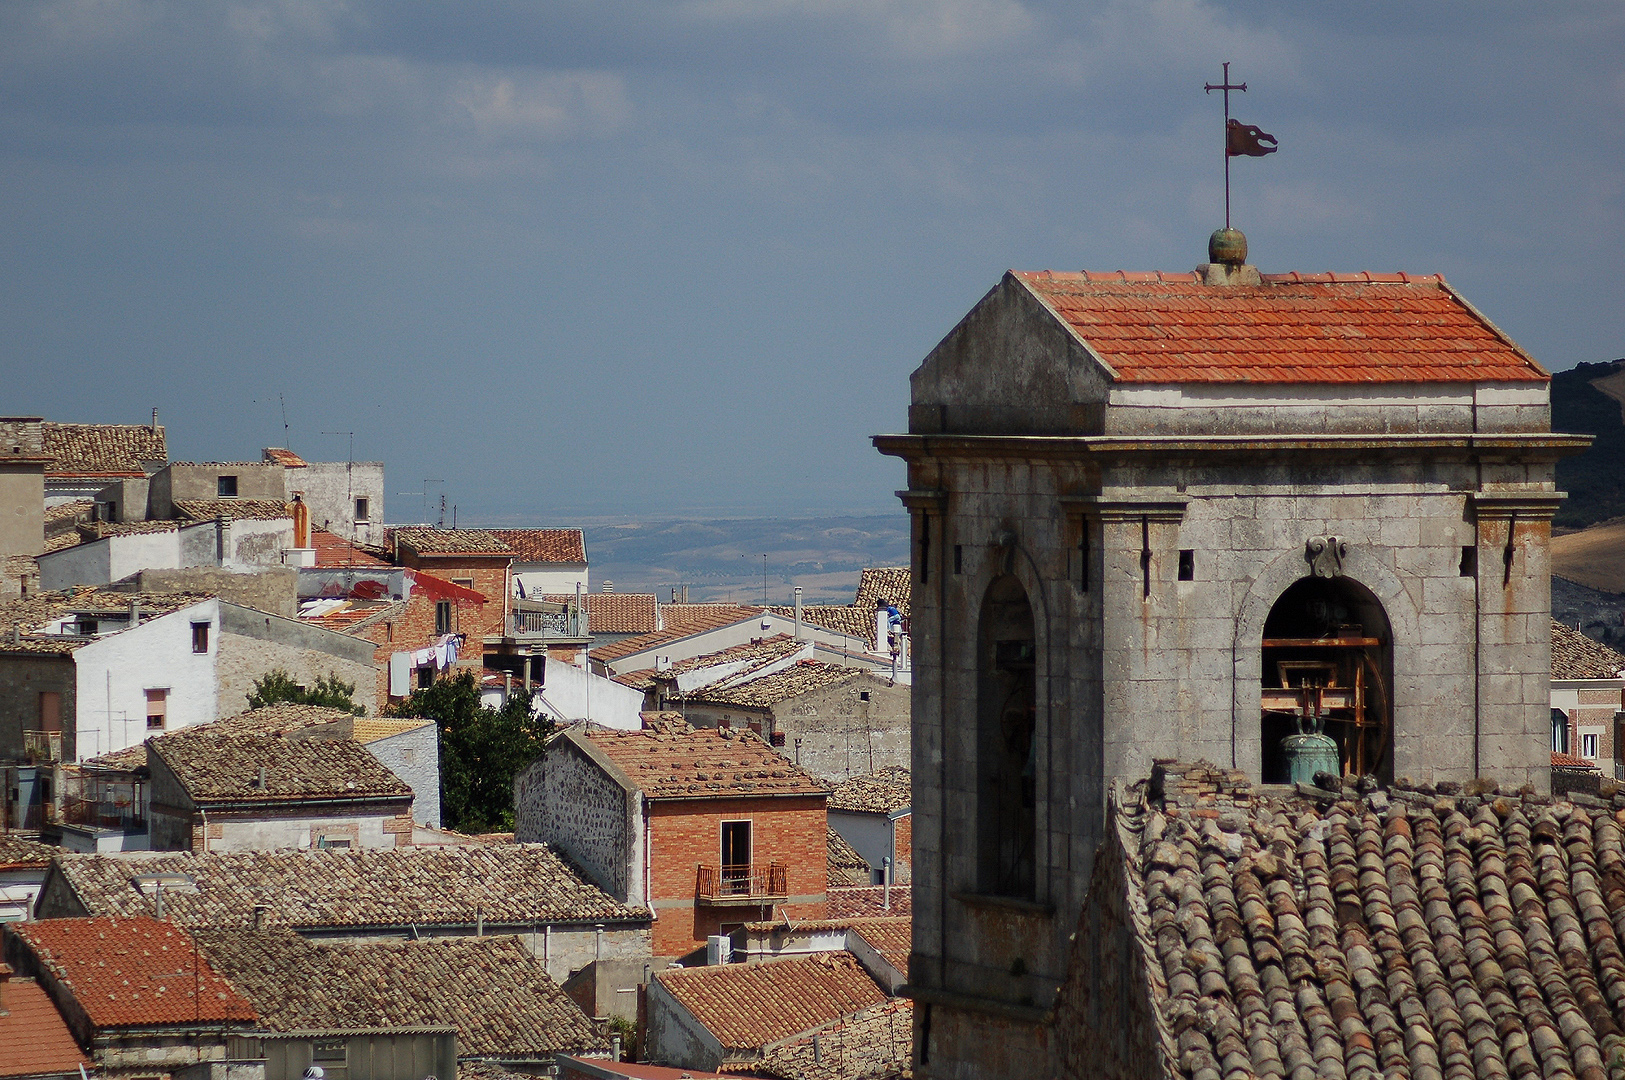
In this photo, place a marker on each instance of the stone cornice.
(1523, 505)
(1535, 446)
(1103, 508)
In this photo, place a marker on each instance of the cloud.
(549, 105)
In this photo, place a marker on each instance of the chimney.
(155, 419)
(135, 610)
(797, 592)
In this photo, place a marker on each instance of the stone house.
(1588, 700)
(1447, 930)
(108, 669)
(732, 1015)
(345, 497)
(364, 894)
(85, 458)
(266, 792)
(1177, 515)
(874, 814)
(179, 484)
(496, 996)
(134, 992)
(835, 722)
(23, 460)
(708, 828)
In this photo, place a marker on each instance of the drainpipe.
(797, 591)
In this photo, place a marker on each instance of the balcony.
(741, 886)
(42, 747)
(539, 621)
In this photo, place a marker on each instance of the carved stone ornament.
(1326, 555)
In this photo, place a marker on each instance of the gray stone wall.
(330, 489)
(253, 643)
(273, 589)
(22, 508)
(414, 756)
(568, 799)
(23, 677)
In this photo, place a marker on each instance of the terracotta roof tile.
(284, 457)
(334, 551)
(702, 763)
(364, 887)
(682, 621)
(95, 530)
(846, 866)
(614, 613)
(881, 792)
(427, 541)
(869, 902)
(1296, 328)
(214, 768)
(17, 852)
(209, 509)
(544, 545)
(102, 449)
(132, 972)
(37, 612)
(270, 720)
(889, 585)
(34, 1039)
(874, 1044)
(1573, 761)
(748, 1006)
(768, 690)
(497, 995)
(1575, 656)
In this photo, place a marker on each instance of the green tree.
(481, 750)
(276, 687)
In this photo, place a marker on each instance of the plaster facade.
(335, 491)
(414, 756)
(238, 544)
(1117, 549)
(184, 480)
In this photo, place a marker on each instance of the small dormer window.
(225, 487)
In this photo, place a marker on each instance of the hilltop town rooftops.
(1575, 656)
(544, 545)
(882, 792)
(32, 615)
(870, 902)
(132, 972)
(682, 621)
(233, 769)
(209, 509)
(748, 1006)
(613, 613)
(327, 889)
(18, 853)
(802, 678)
(493, 989)
(270, 720)
(699, 763)
(110, 450)
(1291, 328)
(423, 540)
(334, 552)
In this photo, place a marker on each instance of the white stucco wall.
(113, 674)
(554, 578)
(299, 831)
(570, 693)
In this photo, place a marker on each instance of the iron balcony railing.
(756, 883)
(42, 747)
(539, 619)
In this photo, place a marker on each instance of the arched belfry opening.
(1006, 712)
(1328, 665)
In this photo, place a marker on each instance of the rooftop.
(497, 994)
(748, 1006)
(869, 902)
(349, 889)
(802, 678)
(682, 621)
(427, 541)
(36, 612)
(1292, 328)
(876, 1043)
(846, 866)
(284, 457)
(34, 1039)
(209, 509)
(882, 792)
(216, 768)
(1575, 656)
(132, 972)
(544, 545)
(102, 449)
(1427, 931)
(701, 763)
(613, 613)
(17, 853)
(334, 551)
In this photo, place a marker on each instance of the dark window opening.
(425, 677)
(1560, 731)
(863, 695)
(1007, 800)
(959, 558)
(1187, 564)
(777, 739)
(736, 855)
(86, 627)
(225, 487)
(360, 510)
(1469, 561)
(1083, 556)
(1327, 666)
(925, 548)
(442, 617)
(200, 637)
(50, 710)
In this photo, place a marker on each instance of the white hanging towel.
(400, 674)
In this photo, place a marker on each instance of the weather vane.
(1240, 140)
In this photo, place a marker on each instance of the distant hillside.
(1588, 400)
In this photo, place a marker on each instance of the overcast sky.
(627, 260)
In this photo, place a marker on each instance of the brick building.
(1169, 515)
(709, 828)
(1588, 700)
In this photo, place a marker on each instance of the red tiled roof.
(869, 902)
(132, 972)
(701, 763)
(1575, 656)
(33, 1037)
(682, 620)
(427, 541)
(284, 457)
(1293, 328)
(335, 551)
(613, 613)
(747, 1006)
(1572, 761)
(544, 545)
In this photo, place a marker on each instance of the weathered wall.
(255, 542)
(22, 508)
(571, 693)
(569, 799)
(567, 948)
(414, 756)
(378, 825)
(840, 734)
(253, 643)
(330, 489)
(550, 579)
(114, 673)
(181, 480)
(271, 589)
(674, 1037)
(24, 677)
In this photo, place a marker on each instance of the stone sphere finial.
(1227, 246)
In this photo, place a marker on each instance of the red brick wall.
(903, 841)
(787, 829)
(412, 629)
(489, 576)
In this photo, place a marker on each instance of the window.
(1469, 561)
(1560, 731)
(1006, 792)
(1187, 564)
(442, 617)
(157, 707)
(1590, 743)
(425, 677)
(332, 841)
(50, 710)
(736, 856)
(225, 487)
(200, 637)
(360, 510)
(465, 582)
(86, 628)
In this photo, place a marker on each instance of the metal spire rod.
(1226, 86)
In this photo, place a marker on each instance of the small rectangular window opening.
(442, 617)
(200, 637)
(157, 707)
(925, 548)
(959, 558)
(1589, 742)
(225, 487)
(1187, 564)
(360, 510)
(1469, 561)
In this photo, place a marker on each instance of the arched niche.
(1006, 724)
(1327, 651)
